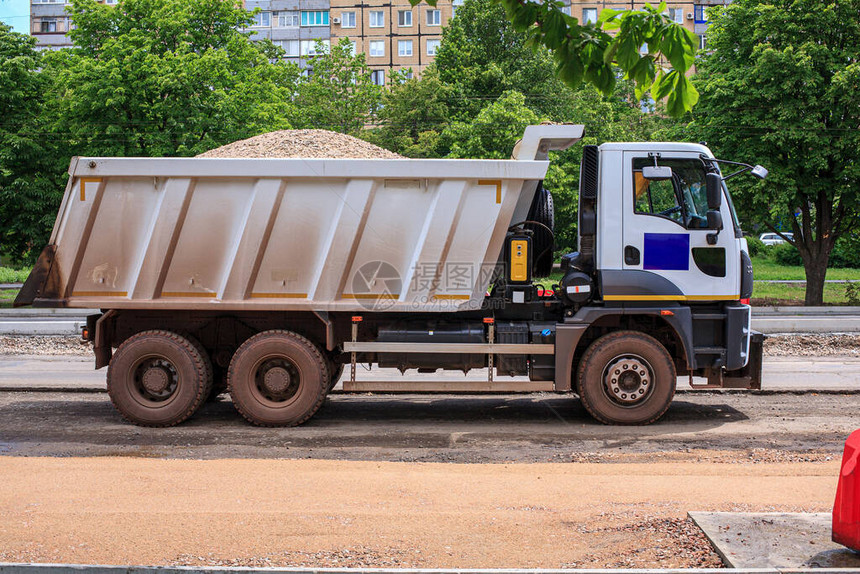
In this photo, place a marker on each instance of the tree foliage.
(28, 191)
(339, 94)
(781, 87)
(587, 52)
(164, 78)
(412, 115)
(482, 56)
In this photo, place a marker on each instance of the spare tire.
(542, 211)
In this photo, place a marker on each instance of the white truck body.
(267, 276)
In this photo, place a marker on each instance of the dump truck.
(268, 277)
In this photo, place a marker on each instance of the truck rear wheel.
(158, 378)
(626, 378)
(278, 378)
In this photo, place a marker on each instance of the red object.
(667, 313)
(357, 319)
(745, 301)
(489, 320)
(846, 510)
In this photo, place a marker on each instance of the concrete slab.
(774, 540)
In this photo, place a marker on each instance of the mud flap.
(748, 377)
(43, 281)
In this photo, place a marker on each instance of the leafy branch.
(642, 40)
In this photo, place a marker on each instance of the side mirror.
(656, 173)
(715, 220)
(714, 185)
(759, 172)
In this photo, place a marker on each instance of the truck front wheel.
(278, 378)
(158, 378)
(626, 378)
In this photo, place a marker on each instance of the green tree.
(494, 131)
(781, 87)
(412, 115)
(28, 192)
(165, 78)
(587, 52)
(482, 55)
(339, 94)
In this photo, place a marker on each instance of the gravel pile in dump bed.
(301, 144)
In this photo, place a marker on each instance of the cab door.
(665, 234)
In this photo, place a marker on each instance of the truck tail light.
(745, 301)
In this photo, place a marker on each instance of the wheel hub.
(156, 380)
(628, 380)
(277, 380)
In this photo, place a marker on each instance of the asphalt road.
(77, 373)
(530, 428)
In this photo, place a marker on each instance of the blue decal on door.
(667, 251)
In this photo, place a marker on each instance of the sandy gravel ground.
(335, 513)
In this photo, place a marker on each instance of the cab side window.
(682, 199)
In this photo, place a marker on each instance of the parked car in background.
(774, 238)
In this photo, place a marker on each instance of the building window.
(566, 10)
(432, 47)
(454, 5)
(288, 19)
(352, 47)
(409, 75)
(700, 14)
(262, 20)
(676, 15)
(48, 25)
(377, 19)
(589, 15)
(290, 47)
(404, 47)
(48, 1)
(404, 18)
(347, 19)
(111, 1)
(309, 47)
(315, 18)
(434, 18)
(377, 48)
(377, 77)
(703, 41)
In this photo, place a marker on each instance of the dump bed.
(285, 234)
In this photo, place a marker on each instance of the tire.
(542, 211)
(278, 378)
(207, 360)
(630, 398)
(158, 378)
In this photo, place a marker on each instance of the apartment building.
(294, 25)
(392, 34)
(50, 24)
